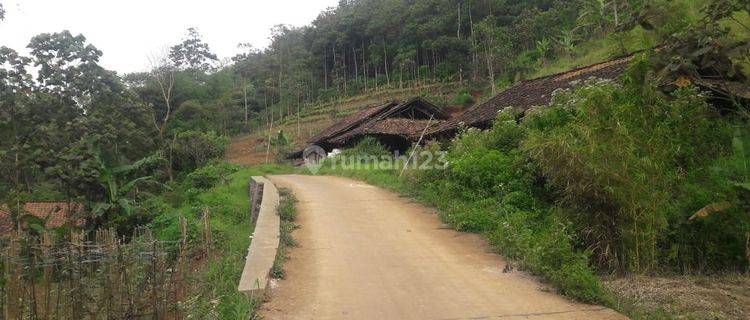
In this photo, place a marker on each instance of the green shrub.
(287, 208)
(367, 147)
(506, 135)
(208, 176)
(489, 164)
(463, 98)
(476, 216)
(616, 154)
(718, 240)
(479, 172)
(194, 149)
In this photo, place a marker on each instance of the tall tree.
(15, 127)
(163, 72)
(47, 120)
(68, 66)
(493, 45)
(192, 53)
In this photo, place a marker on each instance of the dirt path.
(366, 253)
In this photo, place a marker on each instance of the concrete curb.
(265, 239)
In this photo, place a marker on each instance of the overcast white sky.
(129, 31)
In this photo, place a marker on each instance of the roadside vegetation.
(573, 191)
(287, 212)
(219, 193)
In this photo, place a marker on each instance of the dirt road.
(365, 253)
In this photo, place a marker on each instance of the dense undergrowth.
(221, 190)
(611, 178)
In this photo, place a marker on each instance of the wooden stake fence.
(46, 277)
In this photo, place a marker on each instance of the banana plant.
(567, 41)
(542, 48)
(119, 182)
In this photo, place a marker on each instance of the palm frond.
(133, 183)
(100, 208)
(138, 165)
(126, 205)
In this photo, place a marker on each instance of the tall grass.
(620, 160)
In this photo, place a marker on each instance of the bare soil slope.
(366, 253)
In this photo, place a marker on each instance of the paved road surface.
(365, 253)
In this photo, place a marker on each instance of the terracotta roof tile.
(56, 213)
(350, 122)
(410, 129)
(533, 93)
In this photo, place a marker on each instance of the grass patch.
(600, 50)
(213, 278)
(287, 211)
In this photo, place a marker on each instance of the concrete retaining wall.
(265, 239)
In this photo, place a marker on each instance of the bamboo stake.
(417, 145)
(207, 231)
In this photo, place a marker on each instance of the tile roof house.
(394, 124)
(55, 214)
(531, 93)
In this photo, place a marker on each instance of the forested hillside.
(367, 45)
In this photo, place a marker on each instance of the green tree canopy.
(192, 53)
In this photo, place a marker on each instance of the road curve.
(365, 253)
